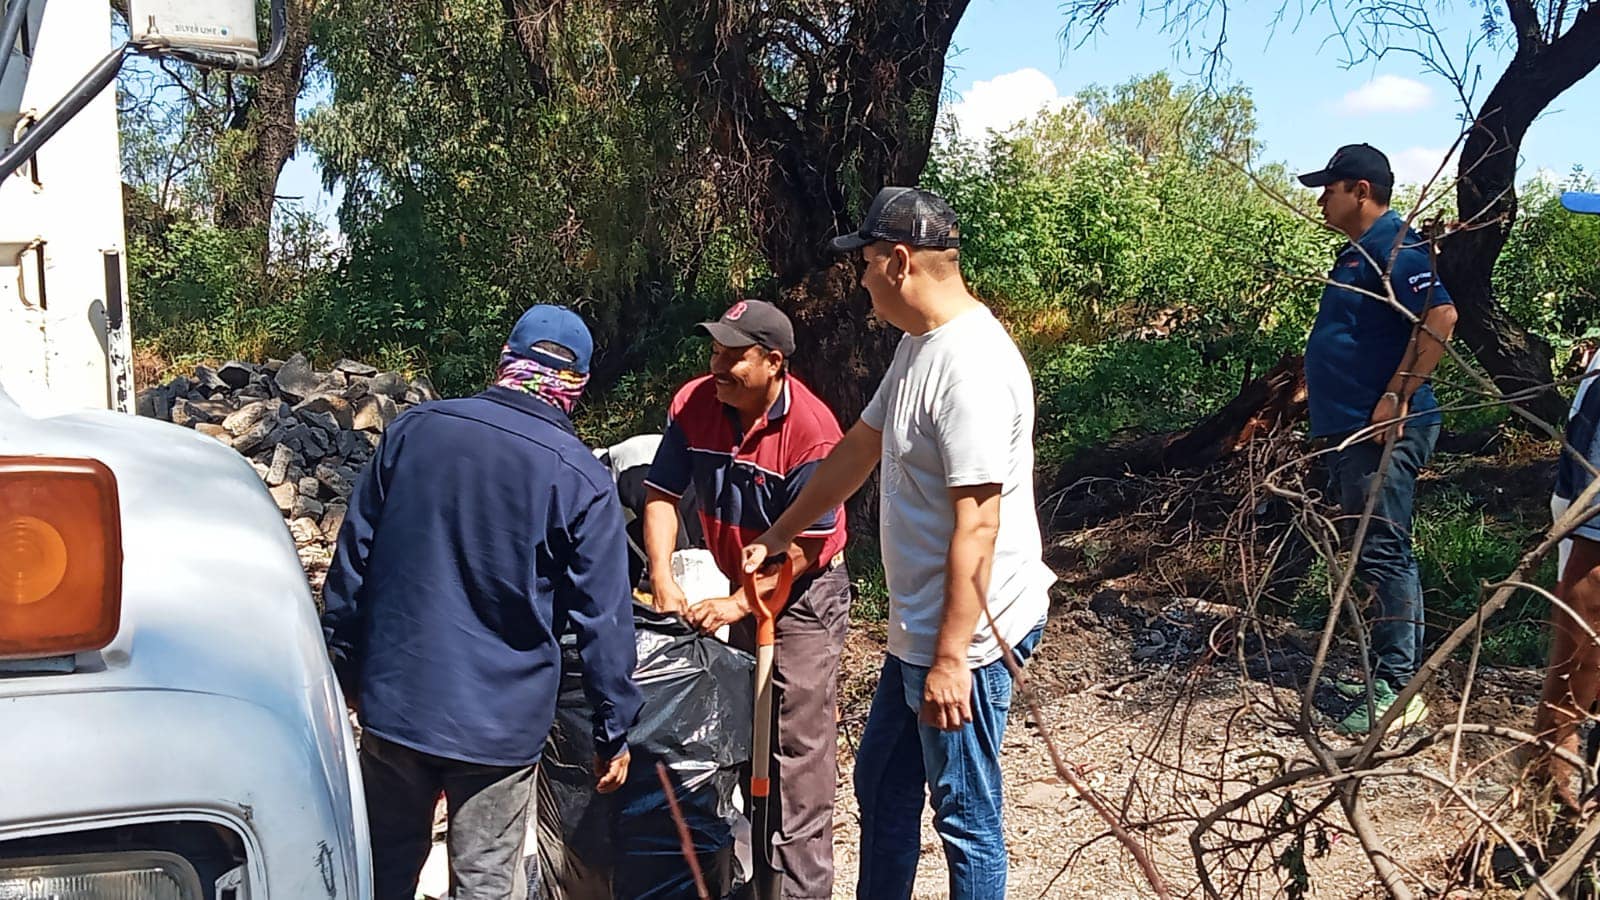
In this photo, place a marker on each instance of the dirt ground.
(1132, 694)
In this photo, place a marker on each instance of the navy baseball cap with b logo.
(903, 215)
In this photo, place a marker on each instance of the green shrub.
(1459, 548)
(1091, 393)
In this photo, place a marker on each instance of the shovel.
(768, 879)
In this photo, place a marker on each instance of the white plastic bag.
(697, 573)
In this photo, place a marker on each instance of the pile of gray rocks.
(306, 433)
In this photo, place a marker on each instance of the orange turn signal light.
(60, 556)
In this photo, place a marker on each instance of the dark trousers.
(1385, 562)
(489, 808)
(805, 766)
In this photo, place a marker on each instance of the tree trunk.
(267, 129)
(1486, 196)
(807, 162)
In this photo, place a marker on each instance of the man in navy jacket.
(480, 532)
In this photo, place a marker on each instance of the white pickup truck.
(169, 724)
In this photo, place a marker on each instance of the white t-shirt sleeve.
(875, 414)
(975, 424)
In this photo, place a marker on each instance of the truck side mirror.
(216, 34)
(212, 34)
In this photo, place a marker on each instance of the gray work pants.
(488, 807)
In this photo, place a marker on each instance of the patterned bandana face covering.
(558, 387)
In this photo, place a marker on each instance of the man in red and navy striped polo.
(747, 437)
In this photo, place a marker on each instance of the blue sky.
(1008, 61)
(1308, 101)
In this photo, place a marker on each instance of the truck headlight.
(100, 876)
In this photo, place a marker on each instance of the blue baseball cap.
(557, 325)
(1580, 202)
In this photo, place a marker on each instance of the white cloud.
(1387, 94)
(1004, 101)
(1417, 165)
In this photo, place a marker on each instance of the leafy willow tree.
(217, 266)
(1554, 44)
(588, 149)
(1158, 120)
(810, 107)
(494, 156)
(1132, 208)
(1145, 276)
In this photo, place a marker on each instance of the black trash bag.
(696, 718)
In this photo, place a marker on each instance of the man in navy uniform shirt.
(1367, 369)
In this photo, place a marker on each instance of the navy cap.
(1580, 202)
(1353, 162)
(903, 215)
(557, 325)
(751, 322)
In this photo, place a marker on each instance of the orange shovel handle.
(766, 610)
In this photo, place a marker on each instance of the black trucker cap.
(904, 215)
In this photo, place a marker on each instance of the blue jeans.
(901, 758)
(1386, 563)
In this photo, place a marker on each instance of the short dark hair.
(556, 350)
(941, 262)
(1381, 193)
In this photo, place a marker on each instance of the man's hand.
(611, 773)
(668, 595)
(756, 554)
(947, 695)
(711, 614)
(1388, 417)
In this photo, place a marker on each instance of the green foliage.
(1548, 275)
(1091, 393)
(479, 182)
(868, 583)
(203, 292)
(1459, 548)
(1141, 271)
(1109, 223)
(1157, 120)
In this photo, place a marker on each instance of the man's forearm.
(968, 567)
(803, 552)
(660, 532)
(839, 475)
(966, 588)
(1424, 352)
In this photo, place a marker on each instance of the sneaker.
(1383, 697)
(1350, 686)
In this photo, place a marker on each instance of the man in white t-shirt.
(952, 423)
